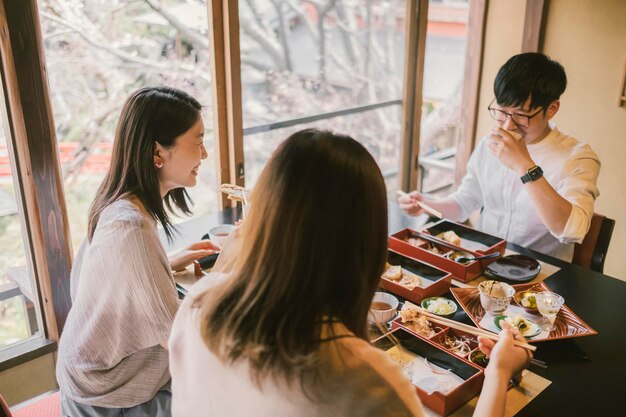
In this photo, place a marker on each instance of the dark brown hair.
(150, 115)
(529, 75)
(312, 251)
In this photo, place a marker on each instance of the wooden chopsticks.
(425, 206)
(469, 329)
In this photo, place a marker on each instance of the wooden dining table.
(587, 374)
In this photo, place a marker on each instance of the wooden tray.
(568, 325)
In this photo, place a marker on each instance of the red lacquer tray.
(568, 324)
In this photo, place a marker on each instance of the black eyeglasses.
(522, 120)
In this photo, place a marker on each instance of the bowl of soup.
(383, 308)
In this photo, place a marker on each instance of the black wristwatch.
(533, 174)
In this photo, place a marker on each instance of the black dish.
(518, 268)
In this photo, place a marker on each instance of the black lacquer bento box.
(433, 351)
(435, 251)
(433, 281)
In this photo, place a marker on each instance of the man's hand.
(408, 203)
(511, 152)
(183, 257)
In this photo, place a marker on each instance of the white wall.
(588, 37)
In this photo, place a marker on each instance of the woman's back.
(359, 380)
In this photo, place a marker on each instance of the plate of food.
(440, 306)
(527, 328)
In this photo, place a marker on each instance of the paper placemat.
(546, 270)
(516, 398)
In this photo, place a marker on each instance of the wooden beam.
(226, 74)
(534, 25)
(416, 23)
(32, 140)
(468, 120)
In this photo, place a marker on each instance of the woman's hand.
(504, 357)
(183, 257)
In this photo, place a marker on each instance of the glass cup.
(548, 304)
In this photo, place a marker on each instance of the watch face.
(535, 173)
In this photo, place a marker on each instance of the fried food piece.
(410, 280)
(451, 237)
(393, 272)
(413, 320)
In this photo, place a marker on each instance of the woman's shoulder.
(372, 374)
(122, 212)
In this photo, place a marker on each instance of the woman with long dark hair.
(281, 328)
(112, 358)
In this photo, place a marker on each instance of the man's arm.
(553, 209)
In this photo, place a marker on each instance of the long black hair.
(150, 115)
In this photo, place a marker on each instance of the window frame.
(31, 134)
(35, 141)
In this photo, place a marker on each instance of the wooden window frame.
(31, 125)
(223, 19)
(32, 140)
(416, 25)
(535, 19)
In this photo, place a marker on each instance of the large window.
(20, 316)
(97, 53)
(444, 72)
(334, 64)
(329, 64)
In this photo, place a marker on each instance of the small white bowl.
(219, 234)
(383, 316)
(495, 296)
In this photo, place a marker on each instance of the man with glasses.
(535, 186)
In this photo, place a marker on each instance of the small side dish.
(479, 358)
(440, 306)
(527, 300)
(526, 327)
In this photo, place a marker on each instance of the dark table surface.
(588, 374)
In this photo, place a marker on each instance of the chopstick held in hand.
(425, 206)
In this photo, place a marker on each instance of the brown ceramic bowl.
(526, 300)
